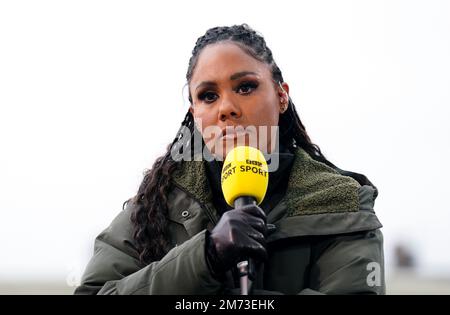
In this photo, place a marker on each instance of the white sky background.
(91, 94)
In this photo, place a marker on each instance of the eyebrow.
(233, 77)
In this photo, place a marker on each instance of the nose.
(228, 109)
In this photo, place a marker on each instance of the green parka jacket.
(327, 240)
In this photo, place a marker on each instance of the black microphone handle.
(244, 201)
(241, 202)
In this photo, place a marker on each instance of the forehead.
(219, 61)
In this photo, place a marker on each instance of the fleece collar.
(313, 187)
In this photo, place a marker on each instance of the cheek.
(263, 112)
(205, 120)
(201, 118)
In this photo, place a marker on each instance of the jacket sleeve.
(115, 267)
(349, 264)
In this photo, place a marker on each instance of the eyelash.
(248, 84)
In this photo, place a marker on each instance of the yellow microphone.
(245, 176)
(244, 179)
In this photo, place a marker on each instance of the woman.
(315, 231)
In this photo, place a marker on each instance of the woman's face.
(234, 99)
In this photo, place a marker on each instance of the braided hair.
(150, 218)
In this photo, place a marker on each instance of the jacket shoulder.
(316, 188)
(119, 234)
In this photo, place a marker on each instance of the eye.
(247, 87)
(207, 97)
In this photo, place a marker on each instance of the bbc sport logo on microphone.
(244, 173)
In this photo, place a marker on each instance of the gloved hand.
(239, 235)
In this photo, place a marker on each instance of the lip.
(233, 133)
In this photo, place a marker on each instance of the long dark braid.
(150, 219)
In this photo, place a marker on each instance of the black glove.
(239, 235)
